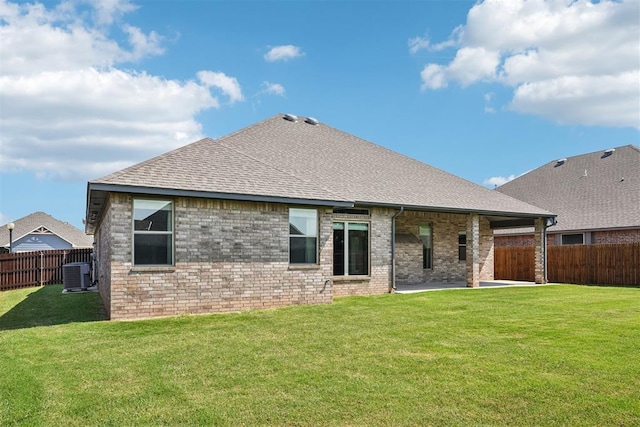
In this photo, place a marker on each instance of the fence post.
(41, 266)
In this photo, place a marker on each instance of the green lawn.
(556, 355)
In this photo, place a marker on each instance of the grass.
(560, 355)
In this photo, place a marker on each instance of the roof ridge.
(423, 164)
(600, 151)
(269, 165)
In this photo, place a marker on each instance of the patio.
(425, 287)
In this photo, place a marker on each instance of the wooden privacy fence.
(24, 269)
(514, 263)
(615, 264)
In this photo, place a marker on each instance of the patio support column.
(539, 242)
(473, 251)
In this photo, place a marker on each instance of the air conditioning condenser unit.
(75, 275)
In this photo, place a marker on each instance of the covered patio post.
(539, 254)
(473, 251)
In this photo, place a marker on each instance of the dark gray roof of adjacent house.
(588, 192)
(294, 160)
(37, 220)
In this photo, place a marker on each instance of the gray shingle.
(29, 223)
(589, 191)
(280, 158)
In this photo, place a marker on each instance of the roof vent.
(561, 162)
(608, 152)
(311, 121)
(290, 117)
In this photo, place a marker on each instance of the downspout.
(544, 251)
(393, 249)
(546, 225)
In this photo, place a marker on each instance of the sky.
(484, 90)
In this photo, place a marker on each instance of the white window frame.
(143, 232)
(345, 261)
(317, 236)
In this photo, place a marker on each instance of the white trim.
(317, 236)
(155, 233)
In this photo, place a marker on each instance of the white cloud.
(417, 44)
(273, 88)
(497, 181)
(433, 77)
(106, 11)
(4, 219)
(228, 85)
(472, 64)
(73, 113)
(559, 56)
(607, 100)
(283, 53)
(488, 100)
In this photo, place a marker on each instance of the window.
(425, 236)
(350, 249)
(303, 236)
(152, 232)
(462, 246)
(572, 239)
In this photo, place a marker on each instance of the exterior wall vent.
(609, 152)
(290, 117)
(561, 162)
(311, 121)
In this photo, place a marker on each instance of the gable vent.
(560, 162)
(290, 117)
(311, 121)
(609, 152)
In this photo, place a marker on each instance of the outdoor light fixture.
(10, 227)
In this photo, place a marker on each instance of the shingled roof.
(304, 161)
(588, 192)
(37, 220)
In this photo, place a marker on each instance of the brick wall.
(379, 280)
(232, 256)
(597, 237)
(103, 257)
(521, 240)
(229, 256)
(446, 266)
(615, 236)
(486, 250)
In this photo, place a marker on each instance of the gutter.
(546, 224)
(443, 209)
(393, 249)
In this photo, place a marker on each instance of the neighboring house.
(288, 211)
(596, 197)
(40, 231)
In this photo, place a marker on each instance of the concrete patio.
(425, 287)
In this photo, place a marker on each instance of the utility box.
(75, 275)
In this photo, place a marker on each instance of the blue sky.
(484, 90)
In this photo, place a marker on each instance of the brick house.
(596, 197)
(288, 211)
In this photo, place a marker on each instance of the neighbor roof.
(36, 220)
(315, 163)
(592, 191)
